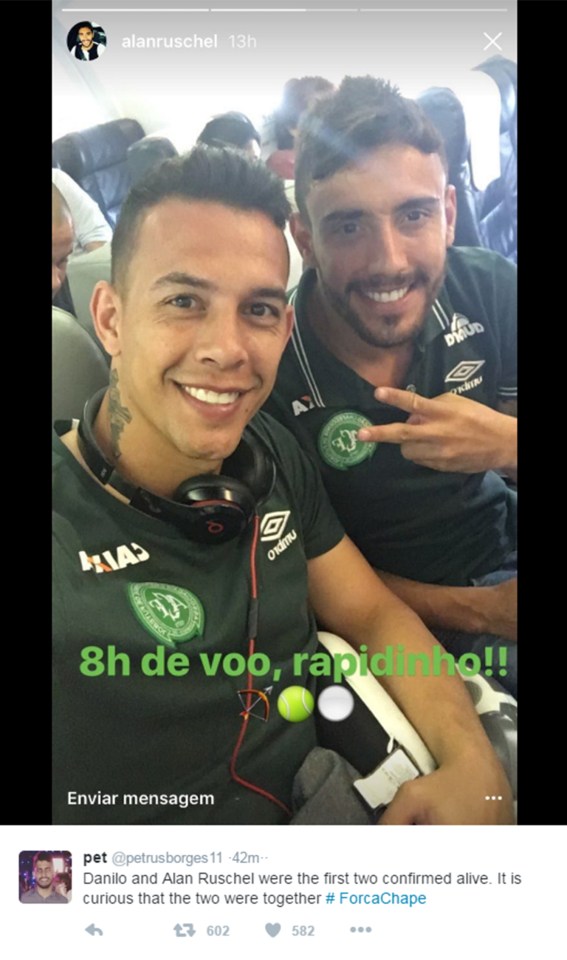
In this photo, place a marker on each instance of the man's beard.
(387, 333)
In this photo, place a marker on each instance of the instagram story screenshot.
(284, 462)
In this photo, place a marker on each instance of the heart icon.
(273, 929)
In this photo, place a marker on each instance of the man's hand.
(454, 794)
(448, 432)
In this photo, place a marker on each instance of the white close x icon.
(493, 41)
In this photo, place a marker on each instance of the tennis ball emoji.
(295, 704)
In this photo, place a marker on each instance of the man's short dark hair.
(229, 130)
(204, 174)
(84, 23)
(44, 856)
(364, 113)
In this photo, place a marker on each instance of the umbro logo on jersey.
(302, 405)
(107, 561)
(272, 528)
(464, 370)
(273, 525)
(461, 328)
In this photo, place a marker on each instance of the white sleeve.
(88, 220)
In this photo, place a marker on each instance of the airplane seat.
(446, 112)
(147, 153)
(377, 725)
(78, 369)
(498, 210)
(96, 159)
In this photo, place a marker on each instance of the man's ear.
(106, 311)
(451, 213)
(290, 321)
(301, 233)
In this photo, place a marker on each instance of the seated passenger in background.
(231, 130)
(91, 227)
(73, 278)
(413, 467)
(61, 248)
(165, 501)
(298, 96)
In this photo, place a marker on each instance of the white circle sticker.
(335, 703)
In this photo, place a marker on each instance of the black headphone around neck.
(209, 508)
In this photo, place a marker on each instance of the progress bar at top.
(284, 10)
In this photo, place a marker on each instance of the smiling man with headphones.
(192, 536)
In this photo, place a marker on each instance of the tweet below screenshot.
(284, 246)
(165, 890)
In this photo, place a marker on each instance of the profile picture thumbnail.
(45, 876)
(86, 40)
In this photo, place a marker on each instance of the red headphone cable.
(252, 631)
